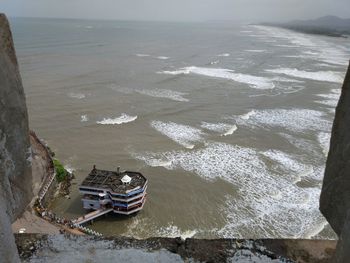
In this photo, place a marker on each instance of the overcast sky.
(178, 10)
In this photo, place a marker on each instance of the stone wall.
(15, 152)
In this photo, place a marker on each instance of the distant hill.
(327, 25)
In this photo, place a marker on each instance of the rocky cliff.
(335, 196)
(15, 153)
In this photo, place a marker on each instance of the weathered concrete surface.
(67, 248)
(335, 195)
(15, 154)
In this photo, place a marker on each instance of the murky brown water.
(230, 123)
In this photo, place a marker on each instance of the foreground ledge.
(70, 248)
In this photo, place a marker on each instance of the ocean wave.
(69, 168)
(247, 115)
(223, 128)
(142, 55)
(291, 167)
(162, 57)
(76, 95)
(298, 120)
(317, 49)
(224, 55)
(173, 232)
(259, 209)
(304, 146)
(182, 134)
(163, 93)
(84, 118)
(331, 99)
(255, 50)
(124, 118)
(324, 140)
(253, 81)
(329, 76)
(152, 160)
(214, 62)
(330, 103)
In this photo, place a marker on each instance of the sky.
(178, 10)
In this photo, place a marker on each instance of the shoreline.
(44, 187)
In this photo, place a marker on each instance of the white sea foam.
(292, 119)
(153, 161)
(163, 57)
(231, 130)
(331, 99)
(324, 140)
(265, 206)
(142, 55)
(288, 46)
(317, 48)
(336, 91)
(69, 168)
(182, 134)
(224, 55)
(331, 96)
(173, 232)
(329, 76)
(223, 128)
(124, 118)
(157, 93)
(287, 80)
(214, 62)
(84, 118)
(304, 145)
(255, 50)
(292, 168)
(76, 95)
(163, 93)
(253, 81)
(330, 103)
(247, 115)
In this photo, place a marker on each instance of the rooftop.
(109, 180)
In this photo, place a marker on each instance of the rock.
(15, 151)
(335, 195)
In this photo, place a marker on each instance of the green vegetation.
(61, 173)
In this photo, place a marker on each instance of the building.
(124, 192)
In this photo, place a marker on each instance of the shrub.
(61, 173)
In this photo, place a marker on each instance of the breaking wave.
(298, 120)
(318, 49)
(182, 134)
(224, 55)
(329, 76)
(163, 93)
(163, 57)
(124, 118)
(84, 118)
(263, 206)
(223, 128)
(253, 81)
(76, 95)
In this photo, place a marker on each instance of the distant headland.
(327, 25)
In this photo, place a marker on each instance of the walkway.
(90, 216)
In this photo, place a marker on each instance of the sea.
(229, 122)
